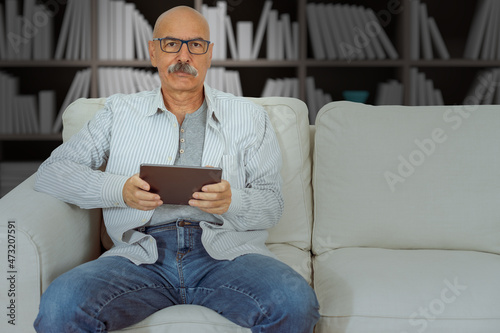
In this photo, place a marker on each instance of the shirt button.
(181, 151)
(182, 140)
(175, 125)
(182, 130)
(170, 158)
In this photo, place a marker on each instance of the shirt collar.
(212, 111)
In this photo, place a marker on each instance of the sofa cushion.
(407, 177)
(431, 291)
(289, 118)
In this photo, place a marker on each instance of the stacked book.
(14, 173)
(483, 41)
(348, 32)
(28, 35)
(316, 98)
(24, 114)
(74, 41)
(283, 87)
(389, 93)
(425, 34)
(485, 88)
(422, 91)
(113, 80)
(79, 88)
(282, 34)
(123, 31)
(225, 80)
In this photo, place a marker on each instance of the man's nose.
(184, 53)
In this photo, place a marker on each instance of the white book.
(296, 88)
(47, 107)
(237, 79)
(438, 97)
(39, 40)
(112, 30)
(147, 34)
(102, 26)
(287, 36)
(492, 82)
(278, 87)
(70, 97)
(280, 41)
(355, 51)
(85, 46)
(272, 35)
(489, 43)
(10, 26)
(29, 10)
(326, 33)
(311, 98)
(335, 29)
(212, 18)
(377, 47)
(31, 114)
(3, 46)
(268, 88)
(424, 32)
(64, 32)
(415, 30)
(221, 26)
(244, 32)
(101, 82)
(139, 50)
(230, 38)
(287, 87)
(385, 41)
(314, 32)
(362, 39)
(12, 92)
(476, 32)
(119, 30)
(49, 38)
(128, 33)
(319, 103)
(295, 39)
(413, 86)
(422, 98)
(429, 92)
(74, 32)
(261, 28)
(437, 39)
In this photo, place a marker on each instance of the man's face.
(182, 25)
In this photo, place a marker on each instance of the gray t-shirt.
(191, 141)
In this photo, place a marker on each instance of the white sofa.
(406, 232)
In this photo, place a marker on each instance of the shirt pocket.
(233, 171)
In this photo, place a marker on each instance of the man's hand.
(214, 198)
(136, 194)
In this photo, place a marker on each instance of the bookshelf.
(452, 76)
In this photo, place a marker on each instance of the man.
(212, 252)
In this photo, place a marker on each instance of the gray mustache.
(183, 67)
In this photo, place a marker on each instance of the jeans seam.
(262, 310)
(114, 297)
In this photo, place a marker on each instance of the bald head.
(179, 16)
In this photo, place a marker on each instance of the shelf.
(31, 137)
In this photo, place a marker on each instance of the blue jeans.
(112, 293)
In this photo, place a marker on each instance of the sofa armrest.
(59, 235)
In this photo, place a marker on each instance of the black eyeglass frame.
(182, 43)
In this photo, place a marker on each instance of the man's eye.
(195, 44)
(171, 44)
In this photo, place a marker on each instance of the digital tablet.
(176, 184)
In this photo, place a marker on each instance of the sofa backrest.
(407, 177)
(289, 118)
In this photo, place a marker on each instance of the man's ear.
(151, 47)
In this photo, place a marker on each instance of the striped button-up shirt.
(137, 128)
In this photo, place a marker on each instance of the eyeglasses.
(174, 45)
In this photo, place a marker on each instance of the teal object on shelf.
(359, 96)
